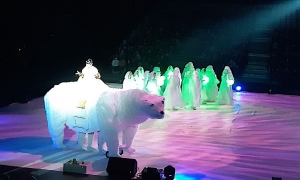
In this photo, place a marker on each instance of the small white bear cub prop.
(109, 112)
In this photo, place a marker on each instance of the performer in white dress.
(167, 76)
(89, 85)
(203, 81)
(139, 77)
(160, 79)
(129, 82)
(225, 96)
(212, 85)
(172, 94)
(152, 86)
(194, 91)
(146, 79)
(188, 67)
(186, 78)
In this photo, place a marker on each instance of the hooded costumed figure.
(129, 82)
(167, 76)
(172, 93)
(146, 78)
(212, 85)
(139, 78)
(194, 91)
(187, 77)
(225, 96)
(160, 79)
(152, 86)
(203, 81)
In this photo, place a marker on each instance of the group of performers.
(190, 89)
(187, 90)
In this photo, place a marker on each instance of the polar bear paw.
(108, 155)
(129, 150)
(102, 149)
(91, 149)
(60, 146)
(122, 146)
(78, 147)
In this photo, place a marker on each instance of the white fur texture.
(109, 112)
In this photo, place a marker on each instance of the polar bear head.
(131, 106)
(153, 106)
(136, 106)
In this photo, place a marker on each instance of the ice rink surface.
(257, 138)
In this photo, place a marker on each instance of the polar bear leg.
(90, 142)
(90, 139)
(110, 136)
(80, 140)
(101, 143)
(56, 126)
(128, 136)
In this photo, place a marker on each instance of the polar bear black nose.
(162, 113)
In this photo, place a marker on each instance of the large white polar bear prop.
(109, 112)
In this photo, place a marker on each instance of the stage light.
(74, 166)
(189, 176)
(205, 80)
(169, 172)
(151, 173)
(238, 88)
(121, 167)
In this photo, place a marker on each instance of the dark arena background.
(46, 42)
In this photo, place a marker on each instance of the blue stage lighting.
(238, 88)
(189, 176)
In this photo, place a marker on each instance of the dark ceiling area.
(42, 41)
(46, 29)
(230, 1)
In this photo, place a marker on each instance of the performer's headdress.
(189, 65)
(89, 61)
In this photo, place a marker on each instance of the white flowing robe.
(212, 85)
(146, 78)
(203, 82)
(139, 76)
(152, 86)
(186, 83)
(194, 91)
(129, 82)
(167, 78)
(88, 85)
(225, 96)
(172, 93)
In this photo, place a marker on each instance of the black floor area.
(17, 173)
